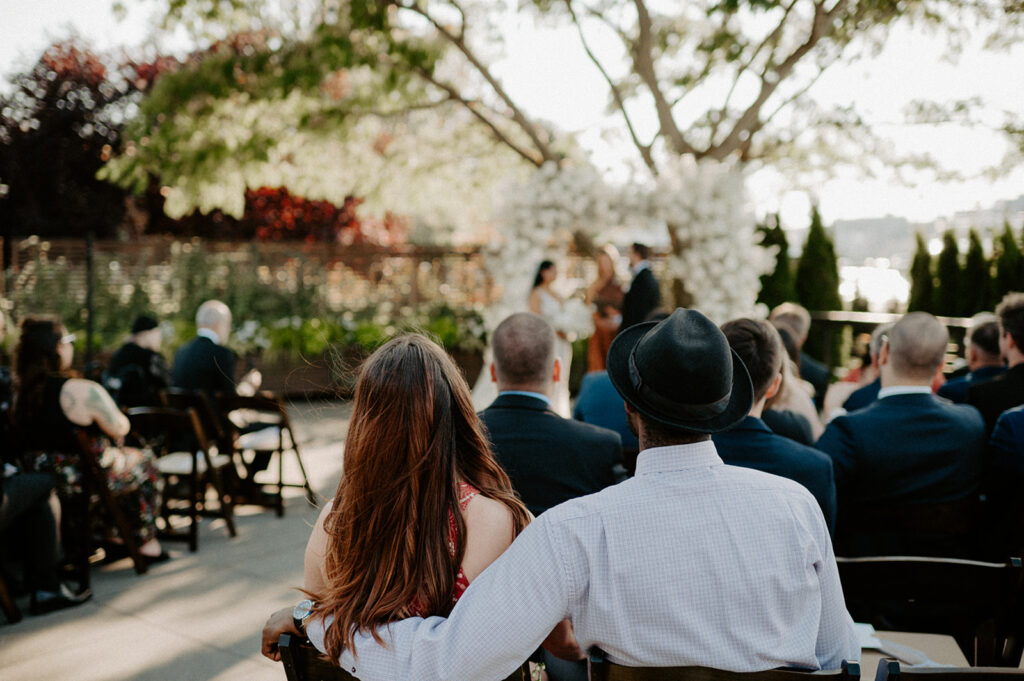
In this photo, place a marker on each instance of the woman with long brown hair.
(422, 506)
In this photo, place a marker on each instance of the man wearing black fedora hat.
(690, 562)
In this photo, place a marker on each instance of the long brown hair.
(35, 360)
(413, 437)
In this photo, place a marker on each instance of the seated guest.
(548, 458)
(599, 404)
(790, 412)
(1002, 484)
(691, 562)
(30, 511)
(868, 393)
(984, 359)
(1005, 391)
(137, 371)
(796, 319)
(909, 448)
(750, 443)
(50, 405)
(422, 506)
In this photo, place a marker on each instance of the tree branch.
(746, 124)
(643, 64)
(517, 115)
(474, 108)
(644, 149)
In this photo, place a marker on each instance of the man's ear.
(556, 371)
(773, 389)
(883, 354)
(494, 374)
(1010, 343)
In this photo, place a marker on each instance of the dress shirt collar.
(642, 265)
(678, 457)
(904, 390)
(209, 333)
(526, 393)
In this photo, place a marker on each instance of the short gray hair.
(211, 314)
(524, 349)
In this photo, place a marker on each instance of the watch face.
(302, 610)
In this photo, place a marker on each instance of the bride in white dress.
(549, 305)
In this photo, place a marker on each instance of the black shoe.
(43, 602)
(153, 560)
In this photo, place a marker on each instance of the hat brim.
(740, 401)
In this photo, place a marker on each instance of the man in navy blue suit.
(909, 448)
(1005, 391)
(983, 358)
(750, 443)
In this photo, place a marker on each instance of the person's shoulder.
(965, 413)
(589, 432)
(484, 512)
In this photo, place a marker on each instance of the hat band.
(697, 412)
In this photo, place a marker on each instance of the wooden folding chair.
(303, 662)
(947, 530)
(603, 670)
(890, 670)
(95, 479)
(7, 604)
(977, 603)
(277, 438)
(177, 439)
(209, 417)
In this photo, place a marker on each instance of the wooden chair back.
(209, 418)
(948, 530)
(603, 670)
(977, 603)
(167, 431)
(7, 605)
(303, 662)
(890, 670)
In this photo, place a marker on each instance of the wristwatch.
(301, 613)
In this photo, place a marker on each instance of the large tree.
(922, 283)
(777, 285)
(722, 80)
(976, 281)
(947, 292)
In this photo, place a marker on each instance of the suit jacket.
(817, 374)
(994, 397)
(203, 365)
(789, 424)
(549, 459)
(751, 444)
(955, 390)
(642, 298)
(863, 396)
(903, 450)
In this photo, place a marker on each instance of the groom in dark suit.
(907, 449)
(550, 459)
(643, 296)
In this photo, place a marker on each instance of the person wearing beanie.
(137, 371)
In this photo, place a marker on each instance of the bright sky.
(549, 74)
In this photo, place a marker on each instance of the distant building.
(858, 240)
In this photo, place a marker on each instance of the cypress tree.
(1009, 264)
(920, 278)
(817, 274)
(817, 285)
(976, 279)
(776, 286)
(946, 295)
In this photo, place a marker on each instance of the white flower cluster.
(705, 204)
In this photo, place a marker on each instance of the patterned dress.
(466, 494)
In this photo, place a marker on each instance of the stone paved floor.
(197, 617)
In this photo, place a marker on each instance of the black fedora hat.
(681, 372)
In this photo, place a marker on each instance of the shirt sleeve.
(502, 618)
(837, 638)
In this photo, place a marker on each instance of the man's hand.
(279, 623)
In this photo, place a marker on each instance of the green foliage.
(777, 286)
(921, 282)
(1009, 264)
(946, 296)
(976, 280)
(817, 273)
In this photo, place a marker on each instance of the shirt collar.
(209, 333)
(904, 390)
(678, 457)
(526, 393)
(642, 265)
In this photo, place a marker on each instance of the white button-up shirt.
(691, 562)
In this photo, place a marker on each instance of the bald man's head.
(524, 351)
(215, 316)
(917, 345)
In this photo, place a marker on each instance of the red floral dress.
(466, 494)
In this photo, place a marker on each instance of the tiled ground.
(197, 617)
